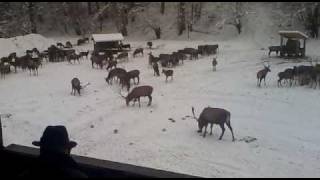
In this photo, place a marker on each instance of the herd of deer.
(34, 58)
(302, 74)
(208, 115)
(31, 61)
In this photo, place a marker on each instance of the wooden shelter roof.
(293, 34)
(107, 37)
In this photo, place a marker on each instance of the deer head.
(267, 67)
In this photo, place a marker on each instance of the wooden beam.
(103, 165)
(1, 140)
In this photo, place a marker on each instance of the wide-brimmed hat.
(55, 138)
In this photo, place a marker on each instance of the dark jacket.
(54, 165)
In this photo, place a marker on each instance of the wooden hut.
(295, 44)
(107, 42)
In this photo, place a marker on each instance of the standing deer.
(149, 43)
(288, 74)
(115, 73)
(214, 64)
(133, 75)
(76, 86)
(111, 64)
(168, 73)
(155, 69)
(262, 75)
(213, 116)
(137, 92)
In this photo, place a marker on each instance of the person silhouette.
(55, 159)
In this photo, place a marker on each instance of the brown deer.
(124, 80)
(124, 55)
(111, 64)
(98, 60)
(288, 74)
(155, 69)
(133, 75)
(114, 73)
(76, 86)
(138, 51)
(276, 49)
(168, 73)
(262, 75)
(137, 92)
(84, 54)
(213, 116)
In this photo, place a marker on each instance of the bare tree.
(162, 8)
(89, 8)
(31, 12)
(181, 18)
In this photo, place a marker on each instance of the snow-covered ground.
(285, 121)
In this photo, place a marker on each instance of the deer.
(33, 65)
(111, 64)
(60, 45)
(133, 75)
(149, 43)
(214, 64)
(76, 86)
(213, 116)
(68, 44)
(137, 92)
(262, 75)
(75, 57)
(152, 58)
(168, 73)
(276, 49)
(287, 74)
(137, 51)
(124, 55)
(4, 69)
(115, 73)
(155, 67)
(98, 60)
(124, 80)
(82, 54)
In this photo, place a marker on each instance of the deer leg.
(264, 81)
(139, 102)
(229, 126)
(205, 131)
(211, 125)
(150, 100)
(223, 129)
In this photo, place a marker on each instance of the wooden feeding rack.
(292, 47)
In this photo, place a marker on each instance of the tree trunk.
(97, 5)
(31, 11)
(157, 31)
(162, 8)
(181, 18)
(89, 8)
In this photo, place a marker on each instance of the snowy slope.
(20, 44)
(284, 120)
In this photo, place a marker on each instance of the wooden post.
(304, 48)
(1, 140)
(281, 46)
